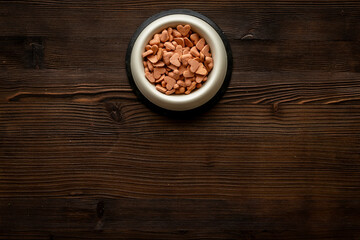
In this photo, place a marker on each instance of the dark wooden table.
(277, 158)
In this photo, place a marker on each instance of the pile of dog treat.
(177, 60)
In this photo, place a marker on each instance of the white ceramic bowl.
(196, 98)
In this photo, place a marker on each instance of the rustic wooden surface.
(277, 158)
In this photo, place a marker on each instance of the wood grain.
(276, 158)
(178, 218)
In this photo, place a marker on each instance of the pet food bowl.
(201, 98)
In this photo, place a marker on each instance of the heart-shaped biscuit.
(150, 77)
(164, 36)
(180, 41)
(172, 67)
(200, 44)
(178, 50)
(184, 30)
(194, 65)
(174, 60)
(159, 64)
(154, 48)
(188, 43)
(205, 51)
(201, 70)
(195, 37)
(160, 89)
(170, 82)
(166, 57)
(158, 71)
(176, 33)
(152, 58)
(147, 53)
(169, 46)
(150, 66)
(160, 79)
(176, 74)
(182, 68)
(194, 52)
(188, 74)
(186, 50)
(155, 40)
(199, 78)
(159, 53)
(209, 64)
(185, 58)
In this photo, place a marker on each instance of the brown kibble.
(188, 74)
(150, 66)
(176, 33)
(200, 44)
(160, 79)
(194, 65)
(147, 53)
(188, 43)
(181, 83)
(175, 60)
(159, 53)
(163, 83)
(169, 46)
(182, 68)
(208, 60)
(160, 89)
(159, 64)
(194, 52)
(150, 77)
(184, 30)
(170, 82)
(155, 40)
(186, 50)
(176, 73)
(172, 67)
(182, 89)
(171, 74)
(185, 58)
(180, 41)
(154, 48)
(166, 57)
(178, 50)
(205, 51)
(195, 37)
(164, 36)
(152, 58)
(201, 70)
(190, 88)
(202, 57)
(209, 64)
(169, 30)
(199, 78)
(169, 92)
(158, 71)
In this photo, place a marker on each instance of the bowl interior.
(215, 77)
